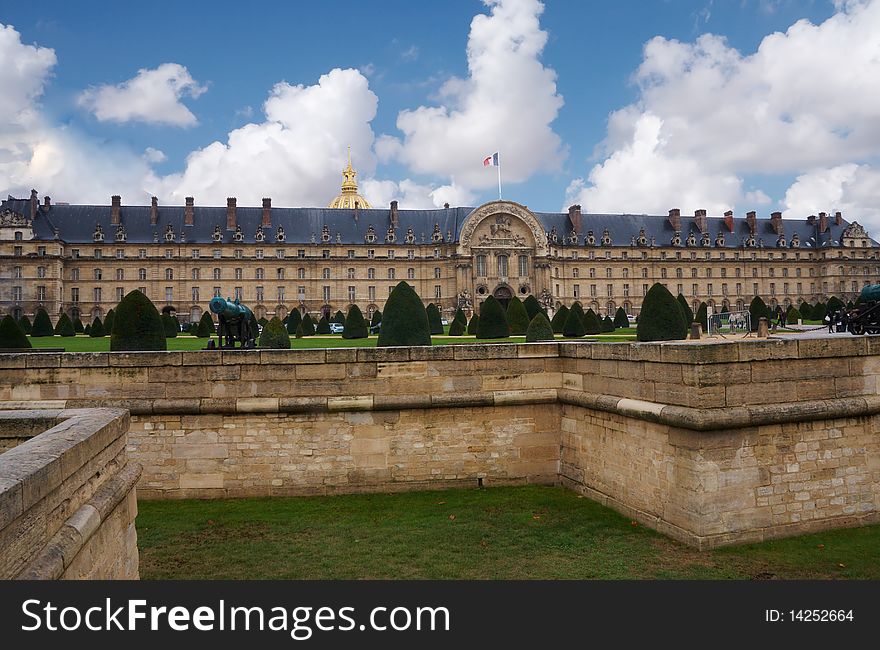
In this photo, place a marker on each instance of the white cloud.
(807, 98)
(152, 96)
(152, 155)
(414, 196)
(852, 189)
(507, 103)
(410, 54)
(24, 70)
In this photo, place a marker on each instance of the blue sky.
(235, 53)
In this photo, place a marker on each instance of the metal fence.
(729, 322)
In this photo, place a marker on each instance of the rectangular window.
(142, 254)
(785, 287)
(437, 294)
(169, 253)
(16, 294)
(523, 266)
(41, 251)
(576, 291)
(74, 274)
(755, 288)
(351, 254)
(195, 252)
(325, 254)
(41, 272)
(120, 293)
(259, 294)
(410, 254)
(216, 292)
(695, 289)
(279, 254)
(75, 253)
(680, 289)
(238, 274)
(371, 294)
(169, 294)
(238, 294)
(300, 253)
(142, 274)
(97, 294)
(258, 253)
(74, 294)
(217, 253)
(644, 289)
(280, 294)
(97, 253)
(390, 255)
(481, 266)
(626, 290)
(739, 289)
(593, 290)
(120, 274)
(195, 294)
(609, 289)
(371, 253)
(301, 293)
(437, 273)
(143, 290)
(723, 288)
(120, 253)
(709, 289)
(326, 293)
(41, 293)
(772, 288)
(351, 294)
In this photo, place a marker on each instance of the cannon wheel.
(856, 328)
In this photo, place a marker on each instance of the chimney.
(115, 205)
(574, 216)
(154, 211)
(823, 222)
(752, 220)
(838, 217)
(811, 220)
(47, 203)
(701, 221)
(776, 222)
(395, 221)
(35, 202)
(230, 213)
(188, 212)
(446, 205)
(267, 213)
(675, 219)
(728, 220)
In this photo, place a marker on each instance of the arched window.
(502, 266)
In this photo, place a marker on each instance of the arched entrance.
(503, 294)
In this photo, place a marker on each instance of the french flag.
(491, 161)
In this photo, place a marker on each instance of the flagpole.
(499, 175)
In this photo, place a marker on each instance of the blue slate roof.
(76, 225)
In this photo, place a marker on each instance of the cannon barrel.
(228, 309)
(870, 293)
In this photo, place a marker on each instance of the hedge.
(473, 324)
(806, 310)
(108, 321)
(323, 326)
(834, 304)
(607, 324)
(661, 317)
(274, 335)
(592, 323)
(206, 327)
(294, 318)
(517, 317)
(533, 307)
(78, 326)
(355, 324)
(42, 324)
(435, 321)
(539, 329)
(620, 319)
(757, 310)
(97, 330)
(703, 316)
(11, 335)
(64, 326)
(793, 315)
(405, 321)
(559, 318)
(376, 319)
(574, 322)
(493, 320)
(137, 325)
(25, 324)
(686, 308)
(459, 324)
(339, 317)
(308, 325)
(168, 327)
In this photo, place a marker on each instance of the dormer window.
(705, 240)
(325, 234)
(169, 232)
(573, 237)
(410, 236)
(795, 241)
(99, 233)
(120, 233)
(590, 239)
(642, 239)
(606, 237)
(238, 235)
(676, 239)
(780, 242)
(370, 237)
(259, 236)
(719, 239)
(217, 236)
(390, 237)
(436, 236)
(279, 234)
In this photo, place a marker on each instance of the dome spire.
(349, 198)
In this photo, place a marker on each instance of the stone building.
(81, 259)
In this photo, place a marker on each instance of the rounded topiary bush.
(355, 324)
(206, 327)
(660, 318)
(274, 335)
(607, 325)
(168, 327)
(97, 330)
(78, 326)
(620, 319)
(307, 325)
(517, 317)
(293, 321)
(493, 320)
(459, 324)
(108, 321)
(405, 320)
(25, 324)
(574, 323)
(686, 310)
(473, 324)
(64, 326)
(323, 326)
(435, 321)
(559, 318)
(12, 337)
(533, 307)
(137, 325)
(757, 310)
(539, 329)
(592, 322)
(42, 324)
(339, 317)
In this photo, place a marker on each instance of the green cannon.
(237, 323)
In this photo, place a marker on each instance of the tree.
(323, 325)
(493, 320)
(339, 317)
(806, 310)
(168, 326)
(607, 324)
(533, 307)
(299, 330)
(25, 324)
(574, 323)
(78, 326)
(137, 325)
(757, 310)
(405, 321)
(108, 321)
(459, 324)
(64, 326)
(293, 321)
(660, 318)
(819, 311)
(792, 316)
(539, 329)
(87, 330)
(42, 324)
(620, 319)
(12, 337)
(274, 335)
(686, 308)
(355, 324)
(263, 322)
(206, 327)
(473, 324)
(376, 319)
(435, 322)
(308, 325)
(559, 318)
(592, 322)
(834, 304)
(97, 330)
(517, 317)
(703, 316)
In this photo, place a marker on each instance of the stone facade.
(711, 443)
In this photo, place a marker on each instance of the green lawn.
(82, 343)
(511, 533)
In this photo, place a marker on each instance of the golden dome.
(349, 199)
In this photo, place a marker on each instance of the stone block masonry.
(711, 443)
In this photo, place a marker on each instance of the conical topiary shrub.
(533, 307)
(307, 325)
(806, 310)
(435, 321)
(757, 310)
(42, 324)
(592, 323)
(265, 321)
(459, 324)
(25, 324)
(12, 337)
(274, 335)
(323, 326)
(87, 330)
(108, 321)
(493, 320)
(559, 318)
(293, 321)
(376, 319)
(819, 311)
(574, 324)
(355, 324)
(64, 326)
(607, 325)
(620, 319)
(517, 317)
(168, 327)
(702, 316)
(792, 316)
(686, 309)
(834, 304)
(206, 327)
(539, 329)
(473, 324)
(137, 325)
(339, 317)
(405, 320)
(299, 331)
(660, 318)
(97, 330)
(78, 326)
